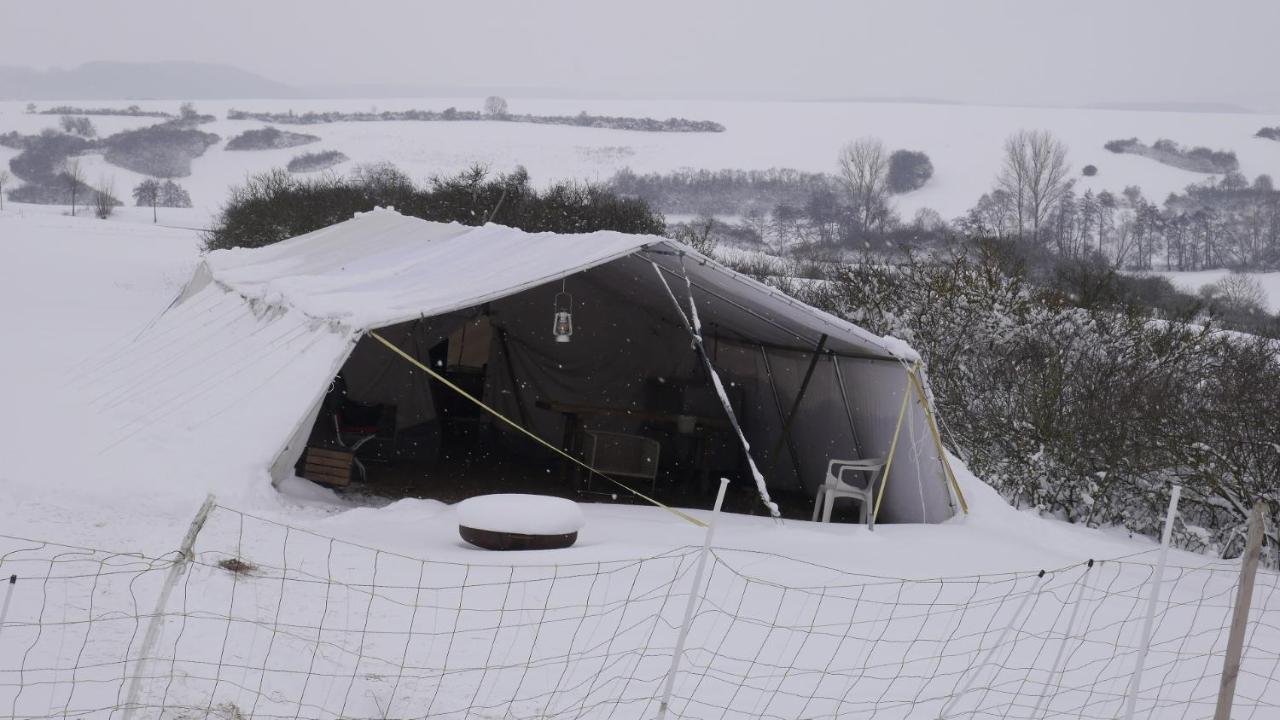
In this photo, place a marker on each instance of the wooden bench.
(328, 467)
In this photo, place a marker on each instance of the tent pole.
(511, 376)
(694, 326)
(758, 316)
(844, 399)
(777, 401)
(795, 406)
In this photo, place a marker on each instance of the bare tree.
(1035, 174)
(74, 177)
(864, 169)
(104, 200)
(4, 178)
(495, 106)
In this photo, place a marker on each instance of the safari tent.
(366, 333)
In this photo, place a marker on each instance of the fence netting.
(270, 621)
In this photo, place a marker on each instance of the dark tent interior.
(622, 387)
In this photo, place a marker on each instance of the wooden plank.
(315, 452)
(339, 463)
(336, 480)
(1240, 619)
(326, 471)
(328, 467)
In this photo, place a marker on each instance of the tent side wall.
(918, 489)
(215, 388)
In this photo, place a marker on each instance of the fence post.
(695, 593)
(1240, 617)
(1135, 685)
(8, 595)
(154, 626)
(971, 677)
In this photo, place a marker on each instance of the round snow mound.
(519, 522)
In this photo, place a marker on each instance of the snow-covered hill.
(822, 598)
(964, 142)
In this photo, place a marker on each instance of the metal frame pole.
(1135, 686)
(844, 399)
(695, 594)
(795, 404)
(777, 402)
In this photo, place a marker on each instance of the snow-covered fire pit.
(519, 522)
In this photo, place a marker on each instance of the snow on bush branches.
(1088, 413)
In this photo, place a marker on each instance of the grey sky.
(1017, 51)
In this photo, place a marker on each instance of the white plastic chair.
(835, 487)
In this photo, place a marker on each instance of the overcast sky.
(1019, 51)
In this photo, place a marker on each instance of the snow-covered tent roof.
(227, 380)
(383, 268)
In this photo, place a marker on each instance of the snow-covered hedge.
(1089, 413)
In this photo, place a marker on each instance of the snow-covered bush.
(274, 206)
(1088, 413)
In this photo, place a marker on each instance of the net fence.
(270, 621)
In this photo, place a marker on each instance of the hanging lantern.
(563, 325)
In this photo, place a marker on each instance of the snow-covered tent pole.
(694, 326)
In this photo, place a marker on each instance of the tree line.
(275, 205)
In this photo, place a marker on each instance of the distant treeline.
(722, 192)
(1197, 159)
(269, 138)
(131, 111)
(1270, 133)
(582, 119)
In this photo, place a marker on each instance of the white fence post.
(8, 595)
(1135, 685)
(695, 592)
(152, 637)
(972, 677)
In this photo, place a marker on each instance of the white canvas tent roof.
(226, 378)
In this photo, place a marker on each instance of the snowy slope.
(572, 622)
(86, 286)
(1192, 282)
(964, 142)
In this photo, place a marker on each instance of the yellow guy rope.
(913, 381)
(937, 437)
(893, 447)
(444, 381)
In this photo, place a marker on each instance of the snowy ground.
(1192, 282)
(964, 142)
(582, 632)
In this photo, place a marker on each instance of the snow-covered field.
(1192, 282)
(964, 142)
(382, 611)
